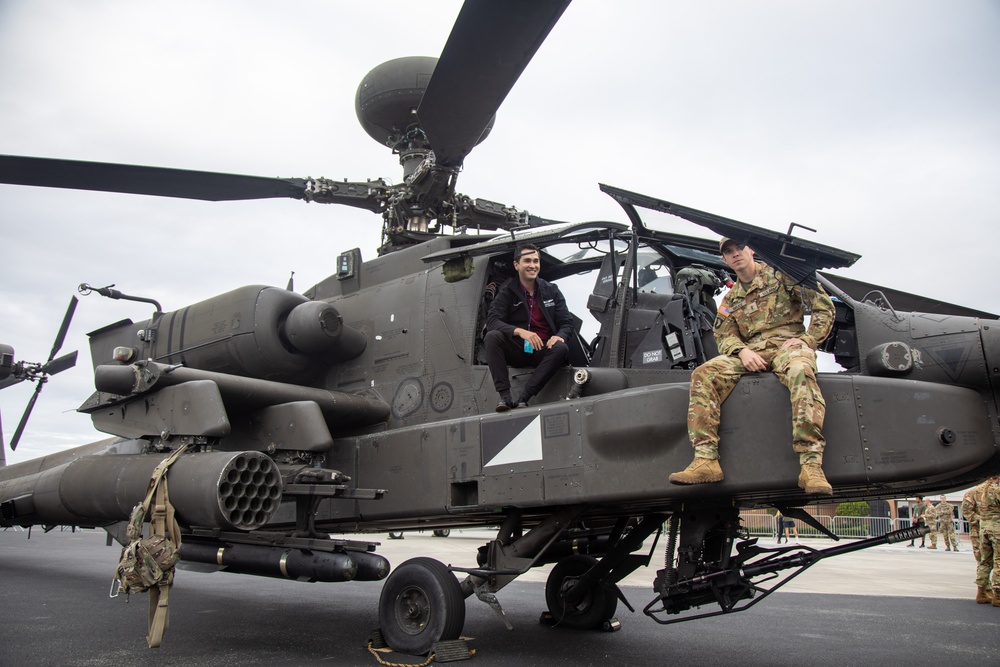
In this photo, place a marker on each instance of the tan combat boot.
(701, 471)
(813, 481)
(982, 597)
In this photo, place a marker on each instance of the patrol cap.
(724, 241)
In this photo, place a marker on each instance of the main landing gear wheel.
(421, 603)
(596, 606)
(442, 532)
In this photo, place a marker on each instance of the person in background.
(946, 524)
(988, 570)
(790, 528)
(971, 502)
(917, 518)
(930, 516)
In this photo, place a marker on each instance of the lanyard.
(530, 298)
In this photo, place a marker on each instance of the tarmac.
(891, 604)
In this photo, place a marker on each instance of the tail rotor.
(12, 372)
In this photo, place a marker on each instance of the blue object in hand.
(527, 348)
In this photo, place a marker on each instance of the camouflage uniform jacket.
(945, 513)
(989, 510)
(918, 513)
(971, 501)
(771, 310)
(930, 516)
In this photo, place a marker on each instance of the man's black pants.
(503, 351)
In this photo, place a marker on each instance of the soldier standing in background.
(971, 502)
(946, 524)
(917, 519)
(930, 516)
(988, 571)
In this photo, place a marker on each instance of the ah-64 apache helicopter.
(362, 404)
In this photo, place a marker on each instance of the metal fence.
(765, 525)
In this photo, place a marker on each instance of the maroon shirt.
(537, 322)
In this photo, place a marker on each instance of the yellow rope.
(374, 652)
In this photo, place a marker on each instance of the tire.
(442, 532)
(598, 604)
(395, 534)
(421, 603)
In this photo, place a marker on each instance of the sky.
(876, 123)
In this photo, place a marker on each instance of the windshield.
(576, 270)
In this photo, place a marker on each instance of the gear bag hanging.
(147, 564)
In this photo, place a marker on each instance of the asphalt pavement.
(889, 604)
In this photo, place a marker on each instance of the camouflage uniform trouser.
(989, 561)
(714, 380)
(948, 533)
(932, 536)
(974, 538)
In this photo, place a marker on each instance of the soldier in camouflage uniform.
(988, 571)
(946, 524)
(930, 515)
(917, 516)
(971, 502)
(760, 327)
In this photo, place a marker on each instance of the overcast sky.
(877, 123)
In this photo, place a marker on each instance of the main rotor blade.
(63, 328)
(59, 365)
(24, 417)
(139, 180)
(491, 44)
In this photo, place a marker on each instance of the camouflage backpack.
(147, 564)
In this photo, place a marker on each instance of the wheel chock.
(451, 650)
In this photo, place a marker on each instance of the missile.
(287, 563)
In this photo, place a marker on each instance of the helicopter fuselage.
(404, 405)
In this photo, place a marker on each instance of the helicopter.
(378, 368)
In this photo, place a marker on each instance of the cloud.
(874, 123)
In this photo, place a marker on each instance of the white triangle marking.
(526, 446)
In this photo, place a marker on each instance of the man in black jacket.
(528, 325)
